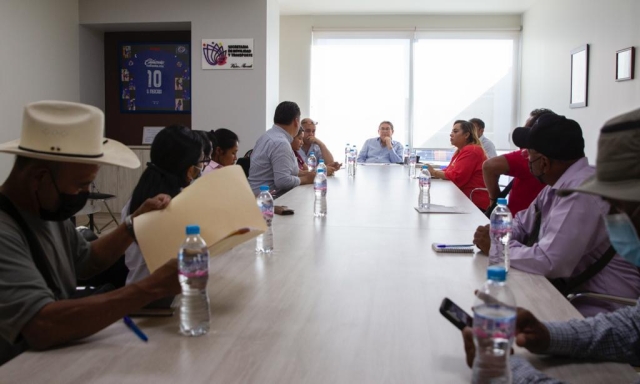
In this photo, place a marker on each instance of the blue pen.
(135, 329)
(454, 245)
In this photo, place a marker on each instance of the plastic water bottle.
(355, 158)
(412, 165)
(424, 181)
(320, 189)
(312, 161)
(322, 165)
(193, 264)
(264, 242)
(351, 163)
(347, 149)
(494, 325)
(500, 233)
(406, 153)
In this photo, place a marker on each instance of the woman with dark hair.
(207, 147)
(176, 161)
(296, 144)
(225, 149)
(465, 169)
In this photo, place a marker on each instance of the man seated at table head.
(563, 238)
(310, 143)
(613, 336)
(58, 155)
(525, 187)
(382, 149)
(487, 144)
(272, 160)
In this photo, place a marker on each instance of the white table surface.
(350, 298)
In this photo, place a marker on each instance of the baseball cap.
(552, 135)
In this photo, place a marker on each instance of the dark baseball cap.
(552, 135)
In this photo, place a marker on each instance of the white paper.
(435, 208)
(149, 133)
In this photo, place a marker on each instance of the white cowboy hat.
(68, 132)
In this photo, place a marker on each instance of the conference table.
(349, 298)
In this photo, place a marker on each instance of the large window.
(421, 82)
(356, 83)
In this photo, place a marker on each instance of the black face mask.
(539, 177)
(69, 205)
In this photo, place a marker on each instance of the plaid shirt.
(613, 336)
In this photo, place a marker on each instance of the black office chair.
(245, 162)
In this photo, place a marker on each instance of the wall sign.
(227, 53)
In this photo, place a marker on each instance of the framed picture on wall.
(625, 61)
(155, 77)
(579, 76)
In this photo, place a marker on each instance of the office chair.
(96, 195)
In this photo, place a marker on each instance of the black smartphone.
(456, 315)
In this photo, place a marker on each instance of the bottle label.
(193, 265)
(424, 182)
(496, 322)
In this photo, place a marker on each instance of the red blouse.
(465, 170)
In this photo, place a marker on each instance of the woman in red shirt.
(465, 169)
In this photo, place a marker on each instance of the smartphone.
(456, 315)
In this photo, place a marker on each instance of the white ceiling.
(332, 7)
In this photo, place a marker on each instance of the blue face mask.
(623, 237)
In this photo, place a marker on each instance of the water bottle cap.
(496, 273)
(311, 153)
(321, 160)
(502, 201)
(425, 167)
(264, 188)
(193, 229)
(320, 170)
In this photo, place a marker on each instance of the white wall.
(273, 58)
(551, 29)
(91, 66)
(39, 40)
(295, 41)
(221, 98)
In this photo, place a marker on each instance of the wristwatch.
(128, 222)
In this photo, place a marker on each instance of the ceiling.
(332, 7)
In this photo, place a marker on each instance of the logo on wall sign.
(214, 53)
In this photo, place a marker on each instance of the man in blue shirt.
(381, 149)
(272, 160)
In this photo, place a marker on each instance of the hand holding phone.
(456, 315)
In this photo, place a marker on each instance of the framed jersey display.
(155, 77)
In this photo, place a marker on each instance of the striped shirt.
(315, 148)
(612, 337)
(273, 162)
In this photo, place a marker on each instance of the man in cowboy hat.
(613, 336)
(57, 157)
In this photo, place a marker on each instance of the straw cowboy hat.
(618, 163)
(68, 132)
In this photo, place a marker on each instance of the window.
(422, 83)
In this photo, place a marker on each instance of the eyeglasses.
(385, 129)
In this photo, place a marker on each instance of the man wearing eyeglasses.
(310, 143)
(381, 149)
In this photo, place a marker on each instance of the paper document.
(435, 208)
(220, 202)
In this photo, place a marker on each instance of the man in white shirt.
(487, 144)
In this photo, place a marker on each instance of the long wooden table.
(349, 298)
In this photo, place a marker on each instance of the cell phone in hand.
(456, 315)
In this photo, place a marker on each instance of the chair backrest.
(245, 163)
